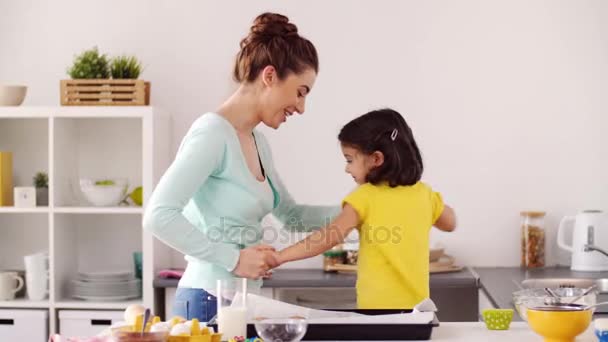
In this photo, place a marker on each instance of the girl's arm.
(447, 220)
(323, 239)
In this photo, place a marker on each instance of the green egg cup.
(497, 319)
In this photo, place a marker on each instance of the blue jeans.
(194, 303)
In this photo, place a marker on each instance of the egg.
(161, 327)
(132, 311)
(176, 319)
(180, 329)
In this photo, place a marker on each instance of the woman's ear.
(377, 158)
(269, 75)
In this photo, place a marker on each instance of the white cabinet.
(70, 143)
(24, 325)
(73, 323)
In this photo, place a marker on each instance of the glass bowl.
(529, 298)
(281, 329)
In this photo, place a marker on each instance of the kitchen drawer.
(86, 323)
(24, 325)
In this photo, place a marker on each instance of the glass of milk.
(231, 308)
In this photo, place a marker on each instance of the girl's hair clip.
(394, 134)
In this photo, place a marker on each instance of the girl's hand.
(255, 261)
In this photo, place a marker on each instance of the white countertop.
(477, 332)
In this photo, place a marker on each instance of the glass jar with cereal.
(533, 239)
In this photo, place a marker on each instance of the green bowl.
(497, 319)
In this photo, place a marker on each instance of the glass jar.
(333, 257)
(533, 239)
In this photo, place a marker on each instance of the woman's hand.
(256, 261)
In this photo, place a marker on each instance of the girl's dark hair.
(386, 131)
(273, 40)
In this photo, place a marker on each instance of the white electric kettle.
(589, 240)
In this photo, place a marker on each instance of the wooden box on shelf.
(105, 92)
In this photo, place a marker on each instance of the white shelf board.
(24, 303)
(99, 210)
(83, 304)
(15, 210)
(10, 112)
(102, 111)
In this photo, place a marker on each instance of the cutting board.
(444, 265)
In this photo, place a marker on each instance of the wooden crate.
(105, 92)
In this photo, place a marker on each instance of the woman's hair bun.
(274, 41)
(273, 24)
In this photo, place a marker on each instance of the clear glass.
(231, 308)
(533, 240)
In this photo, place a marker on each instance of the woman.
(210, 202)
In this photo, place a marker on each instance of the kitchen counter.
(285, 278)
(499, 283)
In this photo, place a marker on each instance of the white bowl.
(104, 195)
(12, 95)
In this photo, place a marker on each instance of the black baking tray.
(367, 332)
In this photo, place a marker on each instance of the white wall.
(506, 98)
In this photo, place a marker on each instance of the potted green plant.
(41, 182)
(98, 80)
(90, 65)
(125, 67)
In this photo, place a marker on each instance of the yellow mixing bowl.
(559, 324)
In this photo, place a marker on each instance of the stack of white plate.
(106, 286)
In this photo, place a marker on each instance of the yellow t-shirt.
(393, 262)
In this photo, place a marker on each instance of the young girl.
(392, 210)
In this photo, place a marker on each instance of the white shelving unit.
(70, 143)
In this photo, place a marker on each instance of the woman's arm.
(323, 239)
(200, 155)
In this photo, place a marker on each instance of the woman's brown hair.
(273, 40)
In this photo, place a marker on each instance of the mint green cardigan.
(209, 206)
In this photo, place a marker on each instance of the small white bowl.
(12, 95)
(104, 195)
